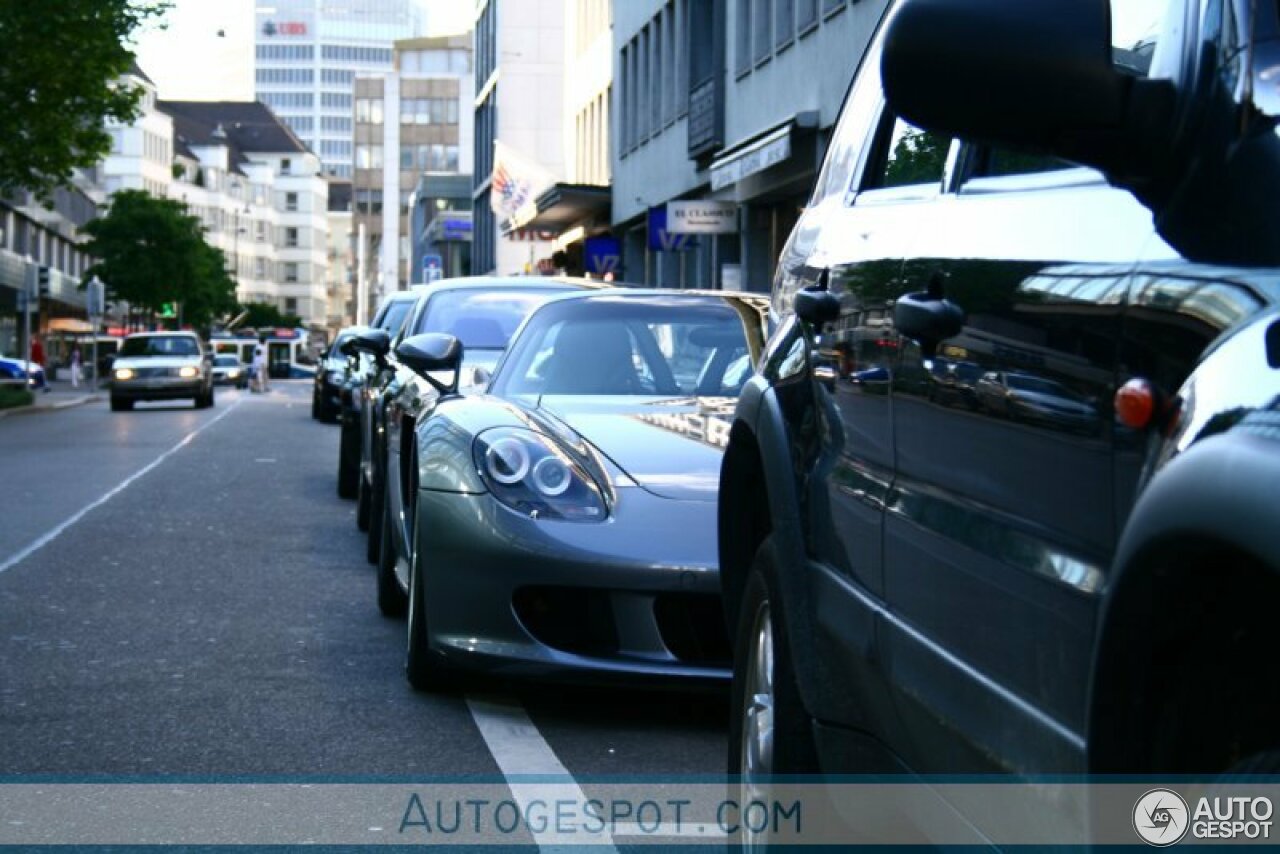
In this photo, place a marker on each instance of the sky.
(205, 53)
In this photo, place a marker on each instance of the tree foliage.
(265, 314)
(152, 252)
(58, 84)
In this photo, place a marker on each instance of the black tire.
(121, 404)
(793, 749)
(374, 547)
(425, 670)
(393, 600)
(362, 500)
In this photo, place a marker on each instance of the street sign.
(432, 268)
(95, 297)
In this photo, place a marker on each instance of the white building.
(520, 103)
(309, 52)
(141, 156)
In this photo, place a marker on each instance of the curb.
(53, 407)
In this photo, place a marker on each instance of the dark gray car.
(565, 521)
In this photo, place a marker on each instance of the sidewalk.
(60, 396)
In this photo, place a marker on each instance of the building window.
(369, 111)
(290, 201)
(783, 22)
(762, 38)
(290, 305)
(291, 238)
(806, 15)
(259, 268)
(290, 271)
(742, 37)
(368, 156)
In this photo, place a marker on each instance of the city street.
(183, 593)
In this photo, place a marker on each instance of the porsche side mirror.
(432, 352)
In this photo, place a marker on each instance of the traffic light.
(42, 281)
(168, 310)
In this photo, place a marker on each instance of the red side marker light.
(1135, 404)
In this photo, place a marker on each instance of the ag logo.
(1160, 817)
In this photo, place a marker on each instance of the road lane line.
(520, 750)
(56, 532)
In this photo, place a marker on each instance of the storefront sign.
(770, 151)
(662, 240)
(702, 217)
(602, 255)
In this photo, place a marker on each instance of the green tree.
(918, 157)
(266, 314)
(58, 83)
(152, 252)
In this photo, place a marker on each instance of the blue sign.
(661, 240)
(432, 268)
(602, 255)
(455, 229)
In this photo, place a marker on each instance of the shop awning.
(758, 153)
(70, 324)
(563, 206)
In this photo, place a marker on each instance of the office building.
(412, 121)
(730, 104)
(307, 56)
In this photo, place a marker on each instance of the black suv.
(1005, 494)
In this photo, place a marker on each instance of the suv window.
(911, 157)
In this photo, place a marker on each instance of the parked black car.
(918, 585)
(331, 374)
(355, 441)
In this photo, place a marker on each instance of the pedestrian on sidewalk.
(258, 367)
(37, 357)
(75, 367)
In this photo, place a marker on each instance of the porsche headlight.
(188, 372)
(123, 374)
(532, 474)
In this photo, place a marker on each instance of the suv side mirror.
(375, 342)
(432, 351)
(1035, 74)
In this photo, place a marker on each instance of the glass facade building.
(307, 54)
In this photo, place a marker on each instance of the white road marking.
(56, 532)
(520, 750)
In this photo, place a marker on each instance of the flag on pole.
(517, 180)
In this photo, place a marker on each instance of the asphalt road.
(197, 602)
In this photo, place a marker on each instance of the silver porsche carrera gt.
(565, 521)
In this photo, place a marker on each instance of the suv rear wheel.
(770, 731)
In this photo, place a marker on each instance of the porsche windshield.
(482, 319)
(669, 346)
